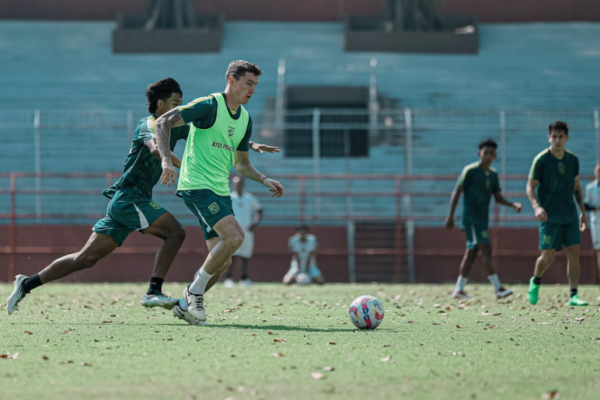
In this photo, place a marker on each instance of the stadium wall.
(133, 262)
(307, 10)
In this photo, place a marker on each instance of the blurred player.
(303, 267)
(248, 214)
(479, 181)
(220, 129)
(556, 171)
(130, 208)
(592, 203)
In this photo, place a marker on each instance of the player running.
(556, 171)
(220, 129)
(479, 181)
(130, 208)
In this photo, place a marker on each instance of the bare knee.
(178, 234)
(486, 249)
(235, 241)
(548, 256)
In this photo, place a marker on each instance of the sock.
(244, 277)
(199, 284)
(537, 281)
(573, 292)
(495, 281)
(183, 304)
(155, 285)
(32, 282)
(460, 283)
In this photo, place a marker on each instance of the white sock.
(495, 281)
(460, 283)
(183, 304)
(199, 284)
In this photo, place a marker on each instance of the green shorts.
(476, 234)
(128, 211)
(554, 236)
(208, 207)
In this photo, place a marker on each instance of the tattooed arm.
(164, 124)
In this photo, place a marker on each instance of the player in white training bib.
(303, 246)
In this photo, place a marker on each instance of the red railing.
(395, 181)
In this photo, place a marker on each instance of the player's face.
(487, 155)
(243, 88)
(163, 106)
(558, 139)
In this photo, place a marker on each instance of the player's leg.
(572, 241)
(290, 276)
(595, 230)
(97, 247)
(598, 262)
(467, 262)
(486, 254)
(167, 228)
(550, 242)
(245, 280)
(229, 283)
(245, 254)
(315, 273)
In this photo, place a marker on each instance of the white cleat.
(17, 294)
(502, 293)
(195, 304)
(229, 283)
(187, 317)
(247, 282)
(159, 300)
(461, 295)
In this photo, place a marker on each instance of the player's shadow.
(280, 328)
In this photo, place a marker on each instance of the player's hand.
(275, 187)
(582, 222)
(541, 215)
(449, 222)
(517, 207)
(169, 174)
(261, 148)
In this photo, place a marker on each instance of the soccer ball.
(303, 279)
(366, 312)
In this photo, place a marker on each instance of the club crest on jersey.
(484, 234)
(561, 168)
(213, 208)
(231, 131)
(547, 239)
(156, 206)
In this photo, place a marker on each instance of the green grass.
(439, 348)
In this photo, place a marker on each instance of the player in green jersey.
(553, 182)
(220, 128)
(479, 181)
(130, 208)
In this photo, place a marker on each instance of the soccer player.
(479, 181)
(556, 171)
(248, 214)
(220, 129)
(592, 203)
(303, 267)
(130, 208)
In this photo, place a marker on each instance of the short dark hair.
(559, 126)
(238, 68)
(488, 143)
(161, 90)
(302, 227)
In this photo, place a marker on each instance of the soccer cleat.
(195, 304)
(187, 317)
(502, 293)
(159, 300)
(229, 283)
(17, 294)
(461, 295)
(576, 301)
(532, 294)
(247, 282)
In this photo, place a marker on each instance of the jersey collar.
(237, 113)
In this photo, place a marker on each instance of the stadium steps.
(374, 267)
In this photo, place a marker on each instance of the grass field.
(97, 342)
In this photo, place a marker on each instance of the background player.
(220, 129)
(479, 181)
(592, 203)
(303, 246)
(556, 170)
(248, 214)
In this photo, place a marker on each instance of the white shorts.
(246, 249)
(595, 229)
(294, 270)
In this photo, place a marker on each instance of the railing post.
(597, 128)
(373, 103)
(130, 126)
(410, 223)
(302, 200)
(280, 95)
(316, 138)
(12, 241)
(398, 233)
(503, 152)
(38, 163)
(350, 233)
(495, 239)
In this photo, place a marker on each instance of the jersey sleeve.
(536, 169)
(146, 130)
(576, 167)
(464, 178)
(202, 112)
(244, 144)
(183, 132)
(496, 188)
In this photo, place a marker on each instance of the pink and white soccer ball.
(366, 312)
(303, 279)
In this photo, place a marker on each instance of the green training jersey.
(215, 135)
(142, 170)
(556, 186)
(478, 187)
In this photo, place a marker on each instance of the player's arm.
(504, 202)
(540, 213)
(256, 219)
(261, 148)
(578, 193)
(453, 203)
(152, 146)
(241, 162)
(164, 123)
